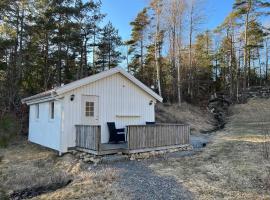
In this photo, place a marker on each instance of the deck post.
(98, 138)
(88, 137)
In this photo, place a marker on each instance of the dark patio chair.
(116, 135)
(150, 123)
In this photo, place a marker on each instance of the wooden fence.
(142, 137)
(88, 137)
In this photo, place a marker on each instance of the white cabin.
(110, 96)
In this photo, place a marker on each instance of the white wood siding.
(120, 101)
(45, 131)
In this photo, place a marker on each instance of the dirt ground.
(234, 165)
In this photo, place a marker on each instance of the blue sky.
(122, 12)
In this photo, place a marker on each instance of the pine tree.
(249, 10)
(108, 55)
(137, 43)
(157, 6)
(203, 63)
(227, 55)
(87, 17)
(44, 43)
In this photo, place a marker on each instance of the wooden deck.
(140, 138)
(106, 149)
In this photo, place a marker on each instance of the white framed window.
(52, 110)
(89, 109)
(37, 111)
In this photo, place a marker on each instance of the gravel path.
(139, 182)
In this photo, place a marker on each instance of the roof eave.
(39, 98)
(85, 81)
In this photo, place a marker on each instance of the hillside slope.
(252, 117)
(235, 164)
(199, 120)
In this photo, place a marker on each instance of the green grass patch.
(3, 195)
(9, 127)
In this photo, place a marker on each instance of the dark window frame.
(52, 110)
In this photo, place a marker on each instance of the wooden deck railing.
(141, 137)
(88, 137)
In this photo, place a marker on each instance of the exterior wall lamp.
(72, 97)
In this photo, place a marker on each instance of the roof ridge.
(89, 79)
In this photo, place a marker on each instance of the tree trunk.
(46, 64)
(109, 50)
(81, 60)
(20, 59)
(249, 69)
(238, 75)
(85, 57)
(94, 49)
(190, 51)
(266, 61)
(59, 66)
(141, 44)
(127, 60)
(173, 56)
(260, 65)
(157, 55)
(179, 98)
(232, 64)
(245, 51)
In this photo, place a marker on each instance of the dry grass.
(232, 166)
(199, 120)
(26, 165)
(88, 185)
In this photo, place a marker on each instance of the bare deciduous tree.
(175, 15)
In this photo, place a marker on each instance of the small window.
(52, 110)
(37, 111)
(89, 109)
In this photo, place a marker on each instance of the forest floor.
(231, 166)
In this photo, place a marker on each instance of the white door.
(90, 111)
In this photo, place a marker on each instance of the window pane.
(89, 109)
(37, 111)
(52, 110)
